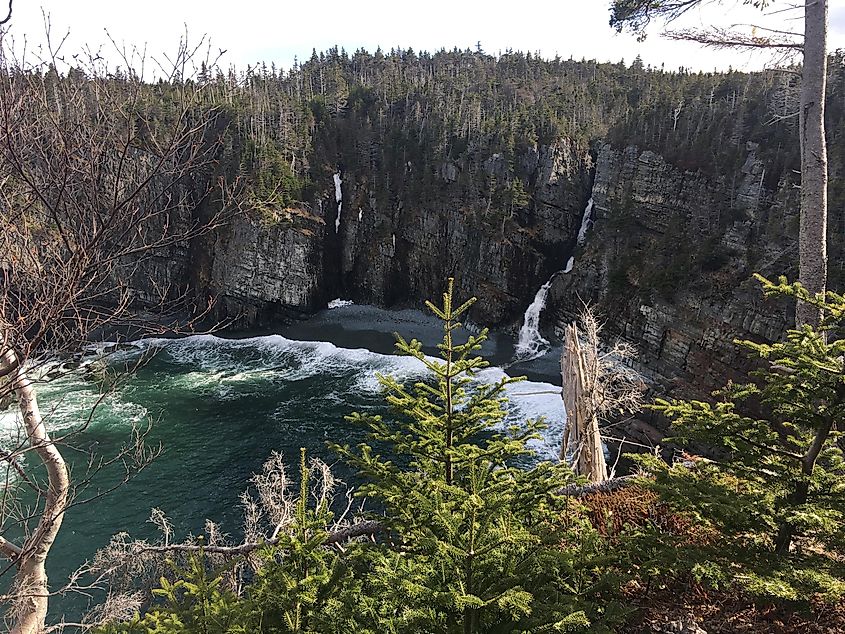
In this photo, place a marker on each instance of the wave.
(229, 365)
(228, 369)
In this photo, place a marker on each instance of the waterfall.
(531, 343)
(586, 223)
(338, 197)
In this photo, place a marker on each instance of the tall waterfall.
(531, 343)
(338, 197)
(586, 222)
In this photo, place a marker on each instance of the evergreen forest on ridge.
(398, 341)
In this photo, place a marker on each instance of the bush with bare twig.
(97, 180)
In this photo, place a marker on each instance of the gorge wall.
(378, 245)
(376, 177)
(670, 260)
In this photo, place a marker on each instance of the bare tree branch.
(361, 529)
(8, 15)
(725, 38)
(94, 186)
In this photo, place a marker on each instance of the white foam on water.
(533, 400)
(198, 380)
(68, 405)
(306, 359)
(12, 437)
(10, 427)
(69, 410)
(339, 303)
(202, 351)
(275, 358)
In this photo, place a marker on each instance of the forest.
(214, 202)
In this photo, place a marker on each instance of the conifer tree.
(774, 494)
(474, 549)
(473, 537)
(300, 585)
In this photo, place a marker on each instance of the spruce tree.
(472, 541)
(475, 539)
(772, 497)
(300, 585)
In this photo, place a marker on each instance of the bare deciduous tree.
(100, 174)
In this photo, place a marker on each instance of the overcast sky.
(279, 30)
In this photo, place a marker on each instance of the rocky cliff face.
(264, 269)
(402, 253)
(670, 259)
(381, 243)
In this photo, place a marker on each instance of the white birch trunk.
(30, 585)
(812, 242)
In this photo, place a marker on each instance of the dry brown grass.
(612, 513)
(730, 612)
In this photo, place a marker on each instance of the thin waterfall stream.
(531, 344)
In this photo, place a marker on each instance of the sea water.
(219, 405)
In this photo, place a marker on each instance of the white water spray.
(338, 197)
(531, 343)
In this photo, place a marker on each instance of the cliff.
(368, 239)
(670, 258)
(376, 177)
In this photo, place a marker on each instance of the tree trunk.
(581, 437)
(30, 585)
(802, 488)
(813, 229)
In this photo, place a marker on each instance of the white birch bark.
(30, 584)
(812, 241)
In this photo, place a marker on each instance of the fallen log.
(361, 529)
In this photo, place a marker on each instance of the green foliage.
(771, 503)
(420, 128)
(198, 602)
(300, 586)
(673, 263)
(636, 15)
(275, 187)
(474, 540)
(516, 195)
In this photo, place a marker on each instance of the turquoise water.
(220, 406)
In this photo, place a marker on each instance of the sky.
(279, 31)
